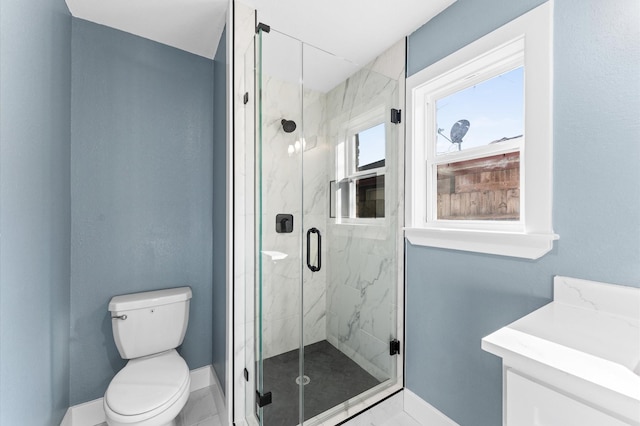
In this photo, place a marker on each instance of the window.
(480, 144)
(359, 191)
(477, 162)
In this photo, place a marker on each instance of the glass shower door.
(327, 155)
(349, 284)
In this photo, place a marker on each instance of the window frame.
(525, 41)
(498, 61)
(349, 171)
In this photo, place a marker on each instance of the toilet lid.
(145, 384)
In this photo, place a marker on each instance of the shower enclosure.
(324, 302)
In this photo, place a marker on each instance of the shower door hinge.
(396, 116)
(264, 27)
(263, 400)
(394, 347)
(245, 98)
(246, 375)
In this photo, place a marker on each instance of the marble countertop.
(587, 342)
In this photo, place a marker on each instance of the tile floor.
(200, 409)
(389, 412)
(399, 419)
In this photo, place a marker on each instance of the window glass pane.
(339, 199)
(370, 148)
(489, 112)
(370, 197)
(481, 189)
(343, 191)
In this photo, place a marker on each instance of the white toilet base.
(165, 418)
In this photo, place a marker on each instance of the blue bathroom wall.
(141, 189)
(35, 97)
(455, 298)
(458, 25)
(219, 349)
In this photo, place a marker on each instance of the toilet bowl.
(148, 391)
(153, 387)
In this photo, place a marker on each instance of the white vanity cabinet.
(575, 361)
(528, 403)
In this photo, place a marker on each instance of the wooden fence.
(481, 189)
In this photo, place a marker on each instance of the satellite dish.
(459, 130)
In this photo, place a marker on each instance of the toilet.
(154, 385)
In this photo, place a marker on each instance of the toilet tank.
(150, 322)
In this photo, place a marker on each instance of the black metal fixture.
(394, 347)
(263, 27)
(314, 268)
(284, 223)
(396, 116)
(263, 399)
(288, 125)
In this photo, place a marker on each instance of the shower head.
(288, 125)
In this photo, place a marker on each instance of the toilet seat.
(148, 387)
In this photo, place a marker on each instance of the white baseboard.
(85, 414)
(423, 412)
(66, 420)
(219, 398)
(92, 413)
(202, 378)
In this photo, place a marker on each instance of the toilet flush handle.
(120, 317)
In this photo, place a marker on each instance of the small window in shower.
(367, 200)
(358, 194)
(367, 168)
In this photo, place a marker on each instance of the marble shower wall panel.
(281, 193)
(316, 208)
(284, 175)
(361, 300)
(316, 155)
(363, 258)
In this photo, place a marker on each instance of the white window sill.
(514, 244)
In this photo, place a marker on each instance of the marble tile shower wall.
(316, 211)
(362, 259)
(283, 177)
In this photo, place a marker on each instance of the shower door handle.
(309, 265)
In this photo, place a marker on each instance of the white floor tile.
(211, 421)
(377, 415)
(201, 406)
(388, 413)
(401, 419)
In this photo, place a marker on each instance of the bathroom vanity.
(575, 361)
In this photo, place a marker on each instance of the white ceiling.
(357, 30)
(191, 25)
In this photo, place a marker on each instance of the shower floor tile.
(334, 378)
